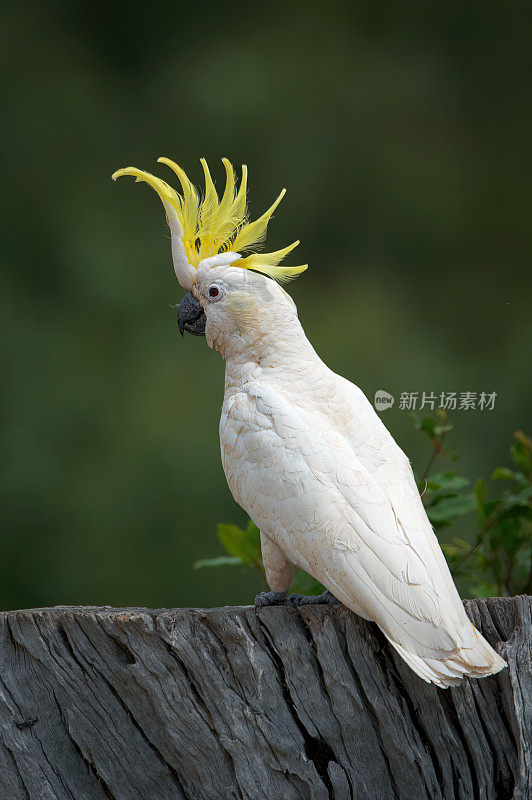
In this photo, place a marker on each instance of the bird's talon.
(264, 599)
(312, 600)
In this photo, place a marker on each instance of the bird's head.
(237, 309)
(228, 300)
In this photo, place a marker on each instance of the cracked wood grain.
(234, 704)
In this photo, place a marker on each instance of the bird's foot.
(312, 600)
(264, 599)
(283, 599)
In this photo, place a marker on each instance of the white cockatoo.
(303, 451)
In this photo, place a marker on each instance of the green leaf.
(427, 425)
(447, 480)
(521, 478)
(219, 561)
(241, 544)
(449, 508)
(503, 474)
(432, 427)
(522, 497)
(439, 429)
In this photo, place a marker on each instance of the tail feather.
(477, 661)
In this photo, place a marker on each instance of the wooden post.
(230, 703)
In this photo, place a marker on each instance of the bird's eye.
(214, 291)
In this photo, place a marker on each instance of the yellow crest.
(212, 225)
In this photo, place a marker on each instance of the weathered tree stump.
(136, 704)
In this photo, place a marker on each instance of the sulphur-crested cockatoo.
(304, 452)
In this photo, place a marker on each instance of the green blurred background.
(403, 138)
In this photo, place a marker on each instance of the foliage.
(497, 562)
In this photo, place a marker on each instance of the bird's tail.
(477, 661)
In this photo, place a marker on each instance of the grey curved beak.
(190, 316)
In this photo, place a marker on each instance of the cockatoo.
(303, 451)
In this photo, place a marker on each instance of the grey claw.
(264, 599)
(328, 597)
(312, 600)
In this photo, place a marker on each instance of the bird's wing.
(299, 476)
(391, 469)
